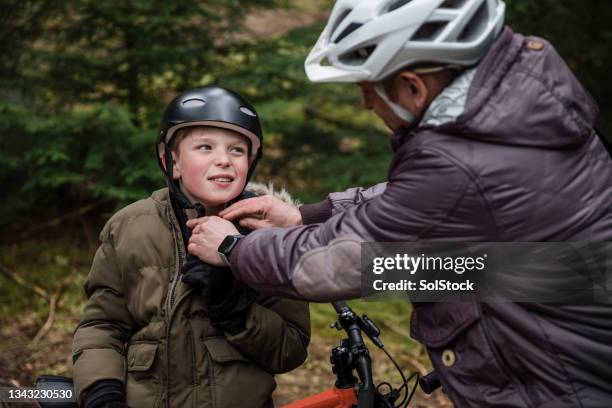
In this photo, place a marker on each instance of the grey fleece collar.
(450, 103)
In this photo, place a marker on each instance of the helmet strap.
(399, 110)
(175, 191)
(252, 166)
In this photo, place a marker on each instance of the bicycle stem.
(352, 324)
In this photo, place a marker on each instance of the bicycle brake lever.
(371, 330)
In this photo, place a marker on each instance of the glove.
(106, 394)
(227, 300)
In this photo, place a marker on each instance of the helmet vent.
(339, 20)
(358, 56)
(194, 103)
(351, 27)
(247, 111)
(397, 4)
(429, 31)
(475, 26)
(453, 4)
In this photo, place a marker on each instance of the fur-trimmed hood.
(261, 189)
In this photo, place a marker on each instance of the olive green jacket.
(144, 327)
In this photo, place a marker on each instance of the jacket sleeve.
(98, 344)
(277, 334)
(322, 262)
(338, 202)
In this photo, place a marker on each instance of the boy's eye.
(204, 147)
(237, 149)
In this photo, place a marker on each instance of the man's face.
(212, 165)
(371, 100)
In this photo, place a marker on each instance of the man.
(494, 141)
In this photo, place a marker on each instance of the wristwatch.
(226, 247)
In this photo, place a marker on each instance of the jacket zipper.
(169, 308)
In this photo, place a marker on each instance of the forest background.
(82, 87)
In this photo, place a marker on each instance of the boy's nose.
(222, 160)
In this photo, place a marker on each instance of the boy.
(152, 334)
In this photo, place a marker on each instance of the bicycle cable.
(407, 396)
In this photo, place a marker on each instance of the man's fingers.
(243, 213)
(239, 205)
(235, 206)
(195, 221)
(254, 223)
(198, 227)
(250, 206)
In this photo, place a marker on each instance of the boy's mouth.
(222, 178)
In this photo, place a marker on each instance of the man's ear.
(411, 91)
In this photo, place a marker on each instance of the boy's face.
(212, 165)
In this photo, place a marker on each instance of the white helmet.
(367, 40)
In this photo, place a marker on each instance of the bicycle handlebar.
(351, 323)
(340, 306)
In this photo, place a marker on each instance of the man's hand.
(263, 212)
(207, 233)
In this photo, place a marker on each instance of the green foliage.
(21, 23)
(50, 164)
(581, 32)
(128, 52)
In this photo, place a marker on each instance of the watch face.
(228, 244)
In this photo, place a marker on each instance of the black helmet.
(211, 106)
(207, 106)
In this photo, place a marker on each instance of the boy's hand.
(263, 212)
(207, 233)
